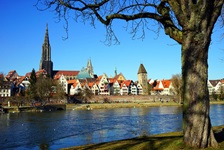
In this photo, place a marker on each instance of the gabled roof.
(38, 73)
(2, 78)
(41, 72)
(75, 84)
(123, 84)
(20, 80)
(99, 78)
(214, 82)
(141, 69)
(11, 74)
(117, 77)
(158, 86)
(112, 80)
(57, 77)
(28, 74)
(90, 84)
(72, 81)
(166, 83)
(127, 82)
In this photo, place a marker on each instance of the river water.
(60, 129)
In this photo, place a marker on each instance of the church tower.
(45, 62)
(143, 78)
(89, 68)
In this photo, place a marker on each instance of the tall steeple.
(115, 71)
(45, 62)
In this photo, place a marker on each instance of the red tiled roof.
(99, 78)
(90, 84)
(56, 77)
(20, 80)
(166, 83)
(28, 74)
(41, 72)
(66, 73)
(156, 88)
(121, 85)
(222, 81)
(127, 82)
(9, 75)
(72, 81)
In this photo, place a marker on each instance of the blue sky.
(22, 33)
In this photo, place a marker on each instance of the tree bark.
(197, 126)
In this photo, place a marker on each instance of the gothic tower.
(45, 62)
(89, 68)
(115, 72)
(143, 78)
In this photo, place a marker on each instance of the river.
(60, 129)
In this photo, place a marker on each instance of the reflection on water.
(60, 129)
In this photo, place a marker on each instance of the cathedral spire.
(46, 38)
(46, 45)
(90, 68)
(45, 62)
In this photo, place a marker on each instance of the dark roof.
(214, 82)
(141, 69)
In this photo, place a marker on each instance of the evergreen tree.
(31, 91)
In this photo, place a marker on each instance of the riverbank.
(166, 141)
(125, 105)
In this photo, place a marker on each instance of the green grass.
(166, 141)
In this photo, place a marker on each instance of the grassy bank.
(166, 141)
(125, 105)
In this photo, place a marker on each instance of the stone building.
(142, 79)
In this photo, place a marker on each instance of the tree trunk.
(197, 126)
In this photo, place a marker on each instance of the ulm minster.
(73, 81)
(190, 24)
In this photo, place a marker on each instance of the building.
(12, 75)
(89, 68)
(142, 79)
(45, 62)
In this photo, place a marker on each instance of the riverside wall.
(132, 98)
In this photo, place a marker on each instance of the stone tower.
(45, 62)
(143, 78)
(89, 68)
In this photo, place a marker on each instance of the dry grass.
(166, 141)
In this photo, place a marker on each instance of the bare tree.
(188, 22)
(59, 93)
(44, 89)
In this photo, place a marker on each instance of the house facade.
(214, 86)
(103, 84)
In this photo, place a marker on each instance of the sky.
(22, 33)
